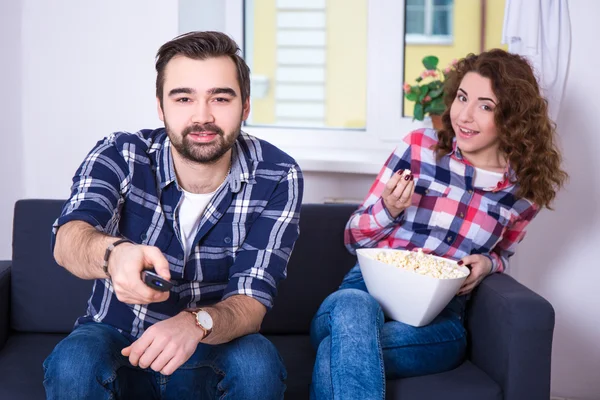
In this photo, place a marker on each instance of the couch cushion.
(21, 372)
(466, 382)
(44, 296)
(318, 264)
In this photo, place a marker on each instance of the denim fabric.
(357, 348)
(88, 365)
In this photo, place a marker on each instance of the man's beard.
(205, 153)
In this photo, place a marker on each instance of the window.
(327, 75)
(477, 27)
(326, 78)
(308, 61)
(429, 21)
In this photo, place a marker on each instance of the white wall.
(559, 258)
(83, 69)
(11, 148)
(88, 70)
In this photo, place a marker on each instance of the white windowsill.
(429, 40)
(336, 151)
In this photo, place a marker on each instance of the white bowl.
(407, 296)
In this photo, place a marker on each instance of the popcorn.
(421, 263)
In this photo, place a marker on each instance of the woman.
(467, 193)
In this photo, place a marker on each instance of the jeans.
(357, 349)
(88, 365)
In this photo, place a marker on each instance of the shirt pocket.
(491, 226)
(134, 227)
(432, 207)
(225, 235)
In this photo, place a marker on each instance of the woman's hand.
(480, 267)
(398, 192)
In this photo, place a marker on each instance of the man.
(204, 205)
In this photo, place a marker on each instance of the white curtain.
(541, 31)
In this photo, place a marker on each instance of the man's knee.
(255, 369)
(80, 360)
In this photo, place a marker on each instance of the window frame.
(351, 150)
(427, 37)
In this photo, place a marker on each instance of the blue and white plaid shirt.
(127, 186)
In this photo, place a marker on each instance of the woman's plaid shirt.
(448, 217)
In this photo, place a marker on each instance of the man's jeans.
(357, 349)
(88, 365)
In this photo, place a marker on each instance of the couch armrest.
(4, 300)
(511, 330)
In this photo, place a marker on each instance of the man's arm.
(80, 249)
(233, 317)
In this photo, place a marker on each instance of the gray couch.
(510, 327)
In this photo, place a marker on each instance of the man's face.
(202, 107)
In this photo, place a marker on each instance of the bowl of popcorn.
(411, 286)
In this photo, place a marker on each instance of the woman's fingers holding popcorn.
(406, 196)
(399, 185)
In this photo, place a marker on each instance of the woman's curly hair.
(525, 132)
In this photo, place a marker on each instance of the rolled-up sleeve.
(261, 262)
(97, 187)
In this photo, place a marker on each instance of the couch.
(510, 327)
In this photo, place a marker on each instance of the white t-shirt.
(486, 179)
(190, 213)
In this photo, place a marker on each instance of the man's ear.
(159, 109)
(246, 109)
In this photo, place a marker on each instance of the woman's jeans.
(88, 365)
(357, 349)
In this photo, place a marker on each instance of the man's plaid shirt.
(127, 186)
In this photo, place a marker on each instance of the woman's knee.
(343, 310)
(348, 306)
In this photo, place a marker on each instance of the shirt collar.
(243, 169)
(509, 177)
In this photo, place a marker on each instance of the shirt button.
(426, 191)
(227, 240)
(462, 215)
(470, 191)
(180, 256)
(143, 236)
(449, 238)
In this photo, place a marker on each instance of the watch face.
(204, 319)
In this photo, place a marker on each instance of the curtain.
(541, 31)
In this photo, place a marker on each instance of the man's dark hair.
(201, 46)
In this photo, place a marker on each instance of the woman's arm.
(383, 208)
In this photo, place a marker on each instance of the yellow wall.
(467, 27)
(347, 54)
(264, 59)
(494, 22)
(346, 77)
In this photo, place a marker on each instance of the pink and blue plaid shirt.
(449, 217)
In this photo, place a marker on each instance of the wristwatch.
(204, 321)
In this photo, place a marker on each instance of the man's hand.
(166, 345)
(480, 267)
(398, 192)
(125, 267)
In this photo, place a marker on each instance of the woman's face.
(472, 117)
